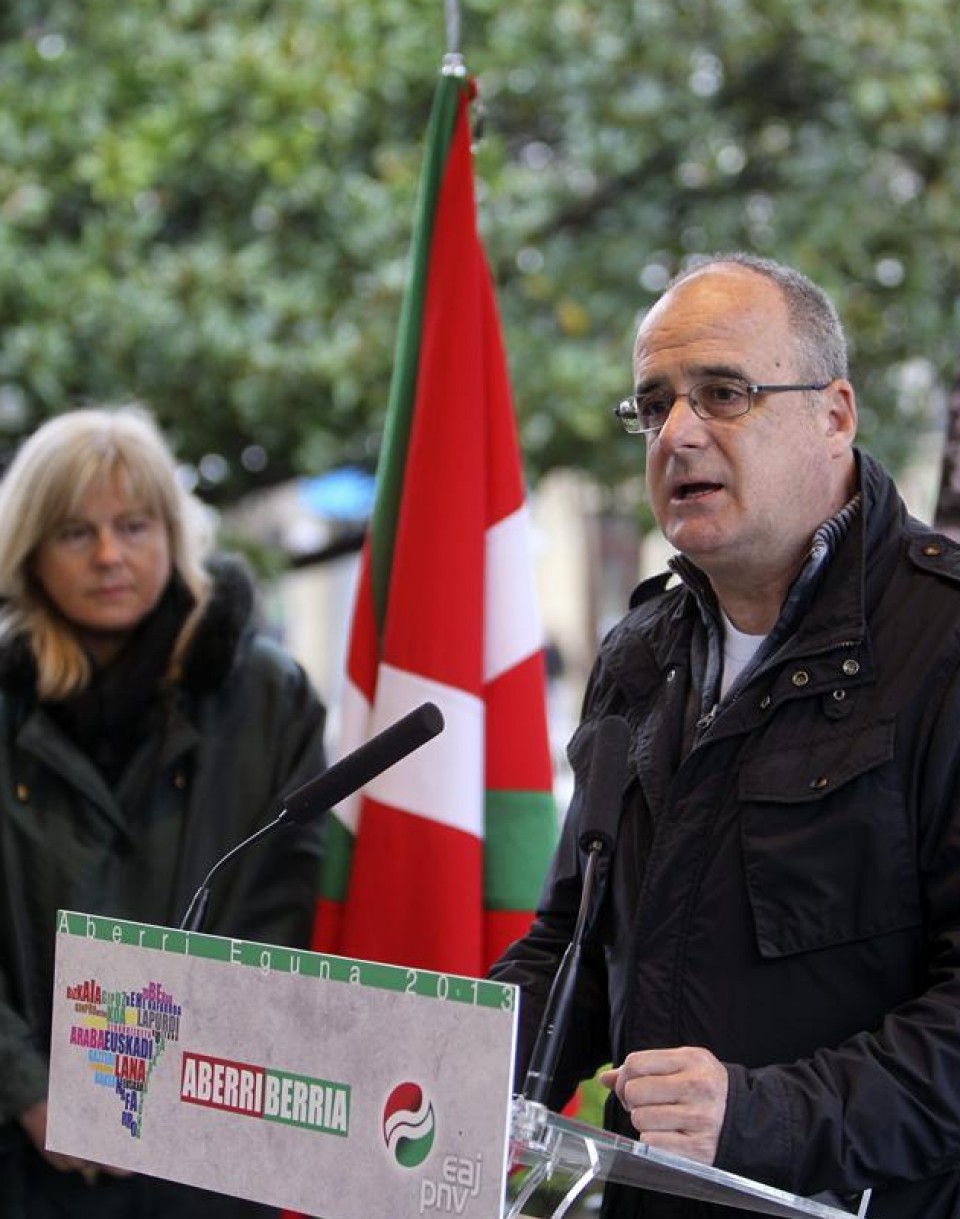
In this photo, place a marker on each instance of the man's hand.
(676, 1098)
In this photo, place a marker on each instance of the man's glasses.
(718, 398)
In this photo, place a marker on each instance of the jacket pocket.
(827, 846)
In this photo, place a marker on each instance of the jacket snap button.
(800, 678)
(765, 702)
(23, 793)
(671, 674)
(822, 781)
(851, 667)
(839, 695)
(932, 550)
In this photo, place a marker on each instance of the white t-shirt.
(738, 651)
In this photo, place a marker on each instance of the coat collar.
(227, 618)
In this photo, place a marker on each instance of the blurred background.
(207, 208)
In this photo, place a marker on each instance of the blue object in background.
(344, 494)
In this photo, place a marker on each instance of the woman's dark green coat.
(214, 757)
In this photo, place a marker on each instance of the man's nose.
(682, 426)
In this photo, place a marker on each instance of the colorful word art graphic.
(123, 1034)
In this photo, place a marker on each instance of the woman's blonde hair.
(45, 484)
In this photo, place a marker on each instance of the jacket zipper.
(706, 722)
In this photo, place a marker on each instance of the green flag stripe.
(519, 837)
(403, 383)
(338, 852)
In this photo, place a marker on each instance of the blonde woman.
(145, 728)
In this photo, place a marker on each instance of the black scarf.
(126, 699)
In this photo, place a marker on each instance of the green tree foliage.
(207, 206)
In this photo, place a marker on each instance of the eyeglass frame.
(751, 392)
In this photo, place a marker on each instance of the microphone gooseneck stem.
(196, 913)
(556, 1015)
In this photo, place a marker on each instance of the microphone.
(337, 782)
(363, 764)
(602, 806)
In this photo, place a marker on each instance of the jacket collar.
(227, 618)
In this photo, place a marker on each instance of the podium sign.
(331, 1086)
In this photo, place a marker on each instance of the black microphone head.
(357, 769)
(431, 717)
(605, 784)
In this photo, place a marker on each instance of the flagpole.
(452, 12)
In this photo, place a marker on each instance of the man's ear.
(840, 418)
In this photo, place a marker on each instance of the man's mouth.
(694, 490)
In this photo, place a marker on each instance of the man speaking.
(774, 970)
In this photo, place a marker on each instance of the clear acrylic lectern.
(557, 1150)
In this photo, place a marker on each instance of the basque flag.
(438, 863)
